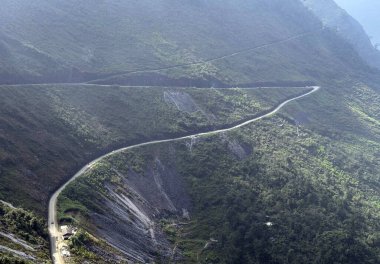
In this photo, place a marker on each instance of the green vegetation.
(296, 188)
(53, 129)
(82, 245)
(23, 223)
(29, 235)
(86, 194)
(320, 192)
(300, 193)
(228, 105)
(78, 246)
(4, 259)
(318, 205)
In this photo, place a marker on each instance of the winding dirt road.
(54, 232)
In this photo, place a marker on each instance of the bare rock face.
(240, 150)
(182, 101)
(337, 19)
(131, 222)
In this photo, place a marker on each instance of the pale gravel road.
(56, 237)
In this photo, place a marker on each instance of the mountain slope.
(135, 200)
(346, 26)
(299, 187)
(48, 131)
(102, 40)
(23, 236)
(366, 13)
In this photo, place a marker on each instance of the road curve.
(54, 232)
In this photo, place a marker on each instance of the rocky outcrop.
(182, 101)
(134, 207)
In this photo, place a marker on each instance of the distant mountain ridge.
(346, 26)
(93, 40)
(367, 13)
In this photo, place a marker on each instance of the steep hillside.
(23, 236)
(346, 26)
(366, 12)
(47, 132)
(98, 199)
(300, 187)
(108, 39)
